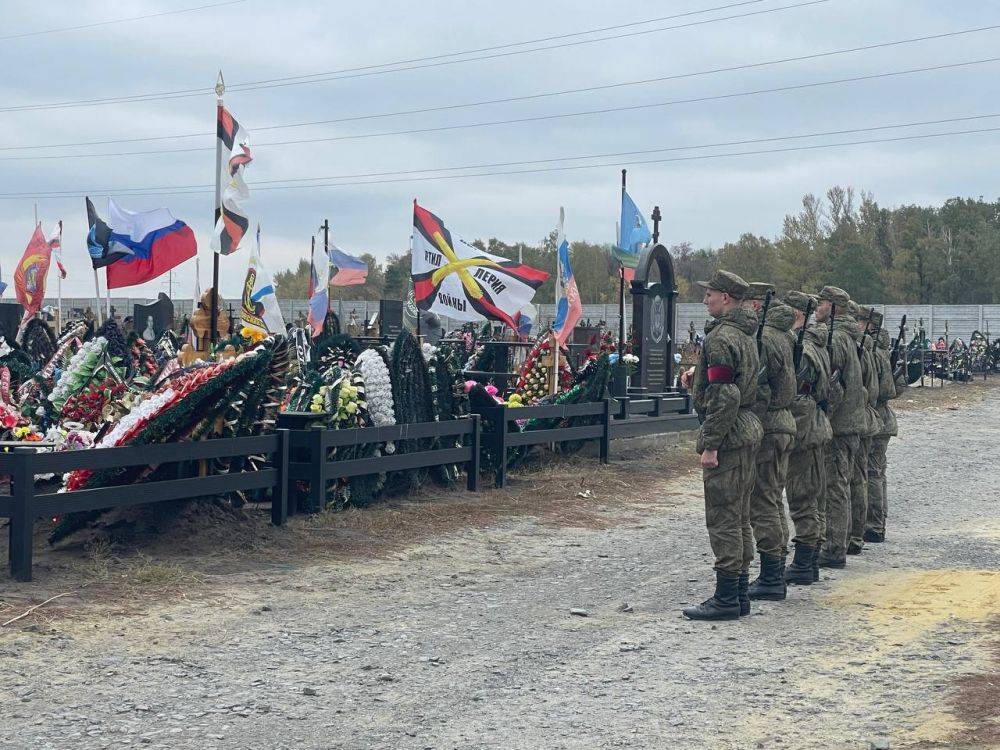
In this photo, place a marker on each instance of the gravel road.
(522, 635)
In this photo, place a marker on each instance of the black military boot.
(724, 605)
(824, 560)
(815, 561)
(770, 584)
(854, 547)
(743, 591)
(875, 537)
(800, 572)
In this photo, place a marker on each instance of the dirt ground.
(542, 616)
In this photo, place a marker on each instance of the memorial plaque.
(150, 321)
(653, 299)
(390, 317)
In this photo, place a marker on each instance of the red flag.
(29, 278)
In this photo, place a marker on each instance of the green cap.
(870, 314)
(729, 283)
(759, 290)
(853, 308)
(834, 294)
(799, 300)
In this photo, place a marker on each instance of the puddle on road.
(913, 604)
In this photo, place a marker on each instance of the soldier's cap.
(836, 295)
(729, 283)
(853, 308)
(759, 290)
(799, 300)
(870, 314)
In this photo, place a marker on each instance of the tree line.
(910, 254)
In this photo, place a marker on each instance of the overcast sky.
(704, 201)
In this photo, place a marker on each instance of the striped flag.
(350, 270)
(260, 309)
(319, 297)
(231, 222)
(55, 242)
(569, 309)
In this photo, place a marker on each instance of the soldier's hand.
(686, 377)
(709, 459)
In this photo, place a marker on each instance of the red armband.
(720, 374)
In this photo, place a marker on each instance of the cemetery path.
(522, 634)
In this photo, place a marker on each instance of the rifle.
(835, 375)
(763, 318)
(762, 372)
(799, 342)
(874, 337)
(899, 342)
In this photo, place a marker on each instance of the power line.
(96, 24)
(536, 118)
(530, 97)
(452, 60)
(257, 185)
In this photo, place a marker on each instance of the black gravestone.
(10, 318)
(154, 318)
(653, 313)
(390, 316)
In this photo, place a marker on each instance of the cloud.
(705, 202)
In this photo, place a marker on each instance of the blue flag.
(635, 234)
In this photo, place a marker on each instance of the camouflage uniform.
(723, 390)
(848, 419)
(775, 390)
(806, 486)
(859, 477)
(878, 505)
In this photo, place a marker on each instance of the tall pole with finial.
(220, 89)
(325, 226)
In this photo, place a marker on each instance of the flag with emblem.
(231, 222)
(29, 276)
(569, 309)
(455, 279)
(260, 310)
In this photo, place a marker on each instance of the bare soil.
(542, 616)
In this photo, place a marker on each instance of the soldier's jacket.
(776, 389)
(812, 427)
(848, 397)
(869, 373)
(887, 386)
(725, 407)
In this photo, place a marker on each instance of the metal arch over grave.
(654, 299)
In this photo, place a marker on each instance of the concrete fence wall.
(938, 320)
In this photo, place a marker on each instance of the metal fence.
(938, 320)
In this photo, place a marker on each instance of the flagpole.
(326, 249)
(220, 89)
(59, 316)
(621, 291)
(97, 292)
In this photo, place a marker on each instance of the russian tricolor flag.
(350, 270)
(569, 309)
(151, 242)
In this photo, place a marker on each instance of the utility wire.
(526, 97)
(535, 118)
(452, 60)
(257, 184)
(97, 24)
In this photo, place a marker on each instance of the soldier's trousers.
(878, 499)
(859, 492)
(727, 509)
(839, 463)
(767, 512)
(806, 492)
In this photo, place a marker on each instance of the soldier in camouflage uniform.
(775, 390)
(806, 485)
(859, 478)
(848, 418)
(723, 390)
(878, 506)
